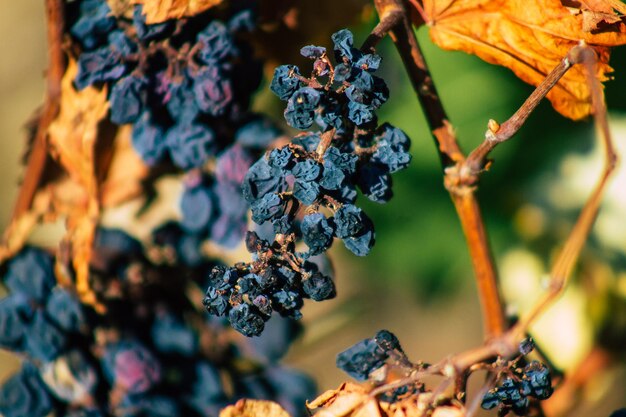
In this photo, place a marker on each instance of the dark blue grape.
(30, 273)
(282, 225)
(319, 287)
(360, 113)
(213, 91)
(375, 183)
(217, 43)
(490, 400)
(267, 208)
(342, 160)
(231, 224)
(190, 145)
(306, 191)
(148, 140)
(15, 313)
(306, 171)
(368, 62)
(232, 165)
(360, 245)
(65, 310)
(127, 99)
(287, 300)
(312, 51)
(263, 305)
(361, 88)
(332, 177)
(121, 44)
(131, 366)
(216, 302)
(285, 81)
(343, 72)
(44, 341)
(309, 141)
(117, 241)
(207, 389)
(244, 21)
(331, 113)
(258, 133)
(180, 100)
(196, 205)
(171, 335)
(317, 233)
(101, 65)
(349, 221)
(24, 394)
(94, 23)
(537, 376)
(362, 359)
(245, 320)
(344, 44)
(280, 158)
(189, 250)
(300, 111)
(262, 179)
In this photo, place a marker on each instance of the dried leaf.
(600, 15)
(72, 138)
(126, 172)
(530, 37)
(158, 11)
(254, 408)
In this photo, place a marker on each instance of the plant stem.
(55, 13)
(451, 157)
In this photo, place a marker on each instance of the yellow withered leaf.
(530, 37)
(158, 11)
(254, 408)
(72, 140)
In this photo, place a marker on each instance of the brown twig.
(451, 157)
(55, 15)
(564, 264)
(496, 134)
(506, 345)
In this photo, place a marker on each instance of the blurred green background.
(418, 280)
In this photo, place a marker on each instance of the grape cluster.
(514, 392)
(152, 354)
(184, 85)
(306, 191)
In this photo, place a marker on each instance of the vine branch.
(451, 157)
(55, 16)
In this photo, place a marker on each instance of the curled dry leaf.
(352, 400)
(530, 37)
(600, 15)
(72, 140)
(254, 408)
(158, 11)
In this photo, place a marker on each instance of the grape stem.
(451, 156)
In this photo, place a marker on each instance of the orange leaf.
(600, 15)
(254, 408)
(158, 11)
(72, 140)
(530, 37)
